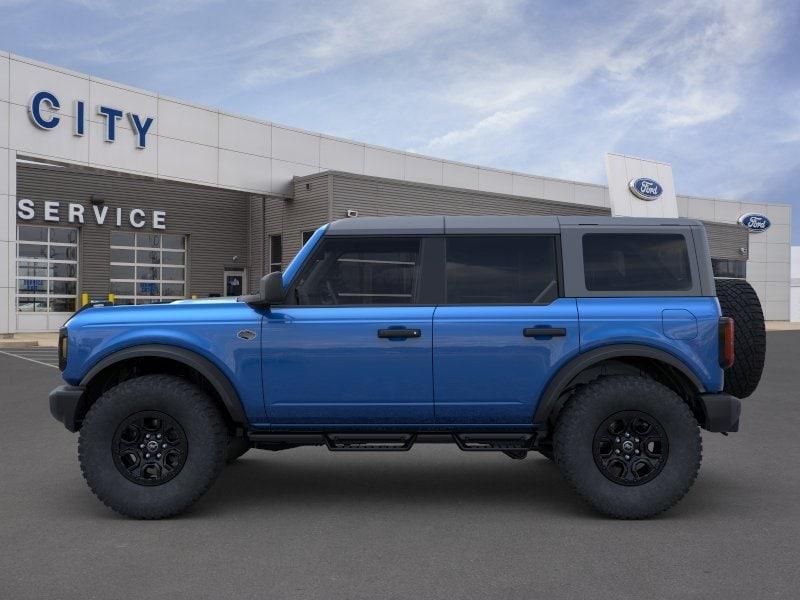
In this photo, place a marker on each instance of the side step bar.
(395, 442)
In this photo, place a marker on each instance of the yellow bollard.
(112, 298)
(84, 299)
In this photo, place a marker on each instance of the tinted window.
(361, 271)
(501, 270)
(636, 262)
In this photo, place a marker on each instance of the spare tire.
(739, 300)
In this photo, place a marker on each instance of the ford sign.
(646, 189)
(755, 222)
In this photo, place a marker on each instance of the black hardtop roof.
(431, 225)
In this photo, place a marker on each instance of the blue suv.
(604, 344)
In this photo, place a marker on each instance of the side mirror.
(272, 288)
(270, 291)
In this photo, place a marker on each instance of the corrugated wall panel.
(725, 240)
(382, 197)
(215, 220)
(255, 242)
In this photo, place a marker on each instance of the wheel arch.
(646, 358)
(168, 356)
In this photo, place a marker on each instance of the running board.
(354, 442)
(396, 442)
(494, 442)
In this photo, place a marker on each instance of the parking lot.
(430, 523)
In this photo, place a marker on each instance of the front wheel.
(628, 445)
(151, 446)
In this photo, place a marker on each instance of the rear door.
(355, 347)
(503, 330)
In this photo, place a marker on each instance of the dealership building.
(107, 189)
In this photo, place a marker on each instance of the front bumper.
(65, 402)
(721, 412)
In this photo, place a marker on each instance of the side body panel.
(207, 328)
(486, 371)
(327, 366)
(684, 327)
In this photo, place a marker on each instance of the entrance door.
(490, 365)
(354, 347)
(235, 282)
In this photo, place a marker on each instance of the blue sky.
(712, 87)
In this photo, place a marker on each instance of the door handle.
(399, 333)
(544, 331)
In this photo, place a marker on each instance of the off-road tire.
(237, 447)
(580, 420)
(206, 443)
(739, 300)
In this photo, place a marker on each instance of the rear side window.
(636, 262)
(501, 270)
(361, 271)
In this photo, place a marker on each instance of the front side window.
(636, 262)
(147, 268)
(47, 269)
(361, 271)
(501, 270)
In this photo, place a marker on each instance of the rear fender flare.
(549, 399)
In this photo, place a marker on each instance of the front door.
(352, 345)
(490, 363)
(235, 283)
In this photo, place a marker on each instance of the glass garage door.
(47, 269)
(147, 268)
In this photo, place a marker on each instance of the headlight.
(62, 348)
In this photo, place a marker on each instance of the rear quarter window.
(636, 262)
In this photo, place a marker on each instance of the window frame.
(273, 264)
(574, 273)
(290, 297)
(556, 239)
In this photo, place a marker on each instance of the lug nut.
(147, 436)
(617, 450)
(147, 455)
(616, 440)
(158, 455)
(627, 457)
(141, 445)
(627, 434)
(163, 445)
(635, 439)
(159, 436)
(637, 452)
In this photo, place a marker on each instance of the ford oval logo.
(755, 222)
(646, 189)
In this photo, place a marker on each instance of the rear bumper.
(64, 403)
(721, 412)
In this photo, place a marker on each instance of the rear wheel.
(628, 445)
(739, 300)
(151, 446)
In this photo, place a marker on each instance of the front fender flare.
(549, 399)
(218, 380)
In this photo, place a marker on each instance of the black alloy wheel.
(150, 448)
(630, 448)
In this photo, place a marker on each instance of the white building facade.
(48, 113)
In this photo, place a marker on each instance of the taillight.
(726, 354)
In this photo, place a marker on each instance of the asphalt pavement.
(430, 523)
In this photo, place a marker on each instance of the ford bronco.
(604, 344)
